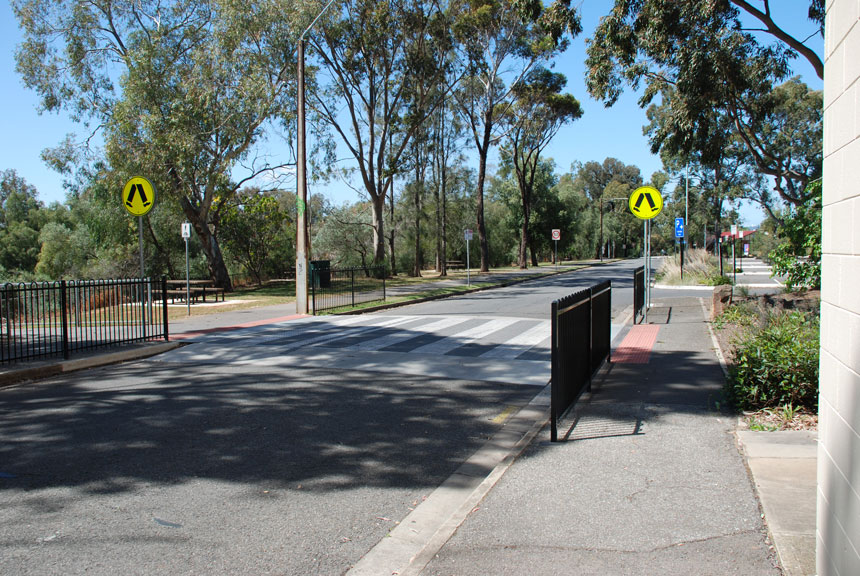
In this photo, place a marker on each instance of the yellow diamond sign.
(138, 196)
(645, 202)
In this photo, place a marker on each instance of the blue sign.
(679, 227)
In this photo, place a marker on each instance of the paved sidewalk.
(650, 479)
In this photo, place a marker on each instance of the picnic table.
(197, 289)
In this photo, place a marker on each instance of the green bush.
(777, 365)
(716, 280)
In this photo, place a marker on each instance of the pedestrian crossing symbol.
(645, 202)
(138, 196)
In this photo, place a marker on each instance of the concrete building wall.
(838, 527)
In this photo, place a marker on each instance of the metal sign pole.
(468, 268)
(140, 242)
(647, 271)
(187, 282)
(556, 254)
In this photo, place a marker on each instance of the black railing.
(638, 292)
(346, 287)
(47, 319)
(580, 344)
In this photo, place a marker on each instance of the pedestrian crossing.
(430, 335)
(483, 348)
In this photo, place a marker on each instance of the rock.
(722, 299)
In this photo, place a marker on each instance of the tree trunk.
(524, 237)
(209, 243)
(482, 176)
(377, 204)
(419, 257)
(391, 253)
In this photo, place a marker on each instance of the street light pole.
(302, 237)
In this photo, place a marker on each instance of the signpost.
(138, 198)
(679, 233)
(645, 203)
(186, 234)
(734, 259)
(556, 236)
(468, 236)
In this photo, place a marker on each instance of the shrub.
(778, 364)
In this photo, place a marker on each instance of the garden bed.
(770, 344)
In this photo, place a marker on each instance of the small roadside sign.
(679, 227)
(645, 202)
(138, 196)
(468, 234)
(186, 229)
(556, 234)
(734, 230)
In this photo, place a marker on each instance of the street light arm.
(308, 29)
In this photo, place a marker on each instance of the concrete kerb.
(413, 544)
(49, 368)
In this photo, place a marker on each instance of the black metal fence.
(638, 292)
(581, 325)
(47, 319)
(338, 288)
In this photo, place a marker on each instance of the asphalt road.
(285, 449)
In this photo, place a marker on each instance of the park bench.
(197, 289)
(454, 264)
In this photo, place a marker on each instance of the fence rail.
(638, 292)
(339, 288)
(580, 345)
(47, 319)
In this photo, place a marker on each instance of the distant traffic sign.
(138, 196)
(467, 234)
(679, 227)
(645, 202)
(556, 234)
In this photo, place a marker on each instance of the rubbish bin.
(321, 273)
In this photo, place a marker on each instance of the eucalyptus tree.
(535, 116)
(699, 54)
(500, 41)
(380, 64)
(605, 182)
(182, 90)
(22, 216)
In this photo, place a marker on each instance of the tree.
(534, 118)
(698, 56)
(594, 179)
(256, 233)
(382, 61)
(182, 91)
(798, 257)
(499, 39)
(22, 216)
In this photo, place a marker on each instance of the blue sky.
(600, 133)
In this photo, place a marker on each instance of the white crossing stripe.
(521, 343)
(403, 336)
(466, 337)
(340, 335)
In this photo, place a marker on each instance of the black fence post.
(352, 284)
(164, 307)
(555, 372)
(313, 291)
(64, 312)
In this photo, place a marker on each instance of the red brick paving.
(636, 346)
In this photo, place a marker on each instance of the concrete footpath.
(649, 479)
